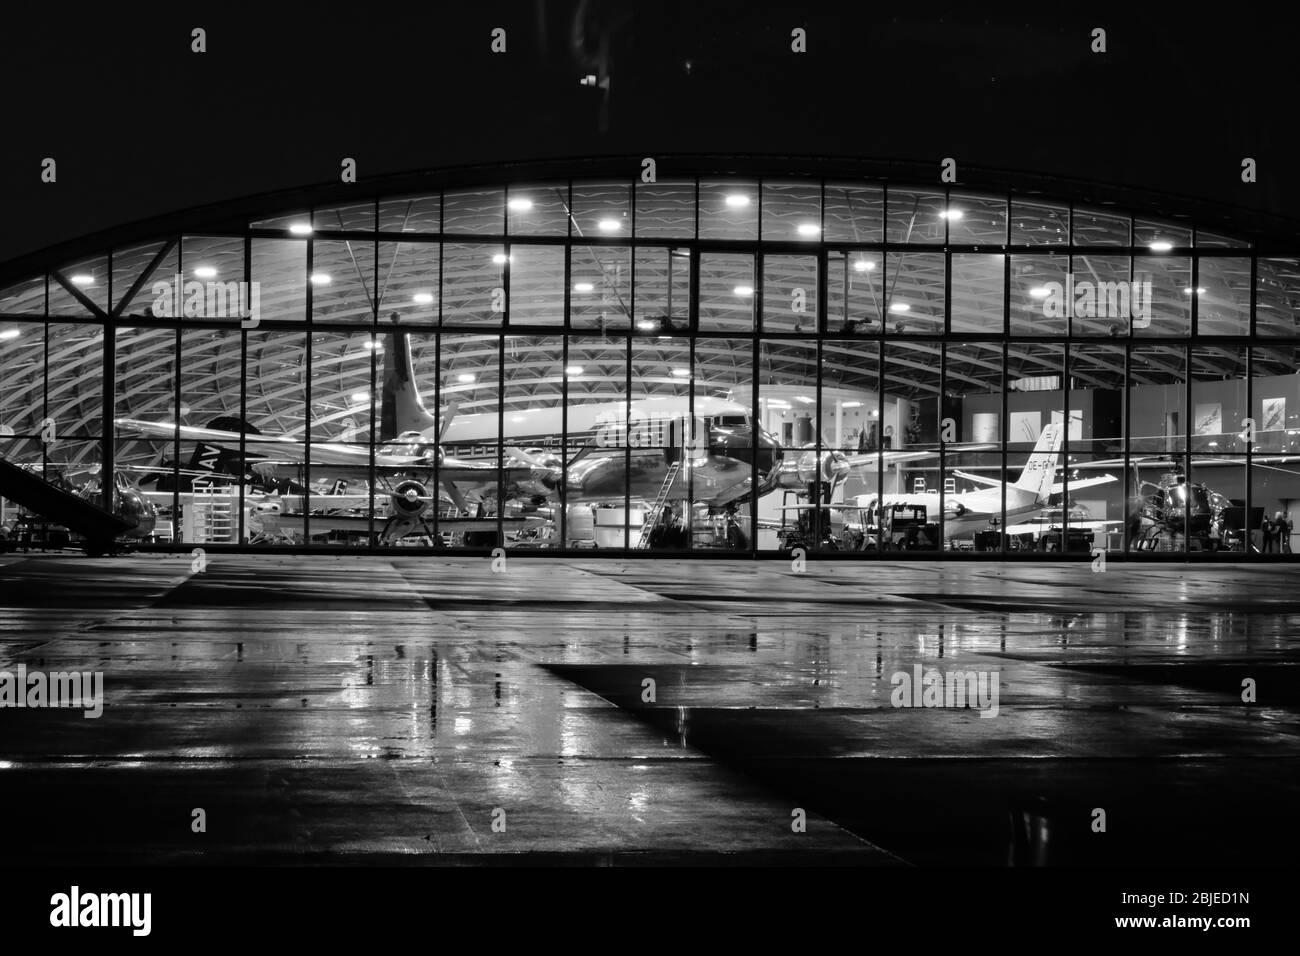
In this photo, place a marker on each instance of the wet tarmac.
(427, 710)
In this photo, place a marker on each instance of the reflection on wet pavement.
(356, 710)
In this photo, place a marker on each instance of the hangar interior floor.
(367, 710)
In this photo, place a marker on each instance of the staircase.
(657, 509)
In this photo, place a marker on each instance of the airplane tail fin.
(402, 408)
(221, 461)
(1040, 470)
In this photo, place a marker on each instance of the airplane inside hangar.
(717, 363)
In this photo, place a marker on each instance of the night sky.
(140, 126)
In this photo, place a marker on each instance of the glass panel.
(665, 210)
(22, 386)
(789, 294)
(532, 435)
(602, 210)
(976, 220)
(977, 292)
(663, 286)
(90, 278)
(477, 212)
(1158, 414)
(128, 265)
(1207, 240)
(854, 213)
(720, 449)
(792, 212)
(342, 277)
(536, 285)
(602, 287)
(353, 217)
(341, 391)
(787, 401)
(1147, 232)
(1101, 299)
(408, 280)
(74, 400)
(726, 292)
(1164, 285)
(854, 291)
(538, 210)
(972, 406)
(914, 283)
(1223, 296)
(597, 482)
(1218, 400)
(411, 214)
(729, 210)
(296, 221)
(1039, 223)
(912, 499)
(1094, 227)
(24, 298)
(1277, 297)
(851, 411)
(916, 216)
(280, 269)
(473, 284)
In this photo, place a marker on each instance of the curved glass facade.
(713, 364)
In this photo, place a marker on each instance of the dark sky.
(140, 126)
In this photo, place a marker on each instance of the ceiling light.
(808, 229)
(900, 307)
(682, 372)
(583, 287)
(805, 399)
(422, 298)
(737, 200)
(360, 396)
(610, 225)
(500, 259)
(1200, 290)
(10, 334)
(744, 290)
(520, 205)
(82, 279)
(852, 404)
(647, 325)
(863, 265)
(1040, 292)
(205, 272)
(466, 377)
(951, 214)
(320, 278)
(573, 370)
(1160, 245)
(300, 229)
(372, 344)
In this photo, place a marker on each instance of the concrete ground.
(427, 710)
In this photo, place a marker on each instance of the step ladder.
(212, 517)
(657, 509)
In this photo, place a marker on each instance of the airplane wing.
(1059, 487)
(887, 458)
(992, 482)
(271, 449)
(1043, 526)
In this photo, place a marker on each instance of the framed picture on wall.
(1209, 419)
(1274, 414)
(1025, 426)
